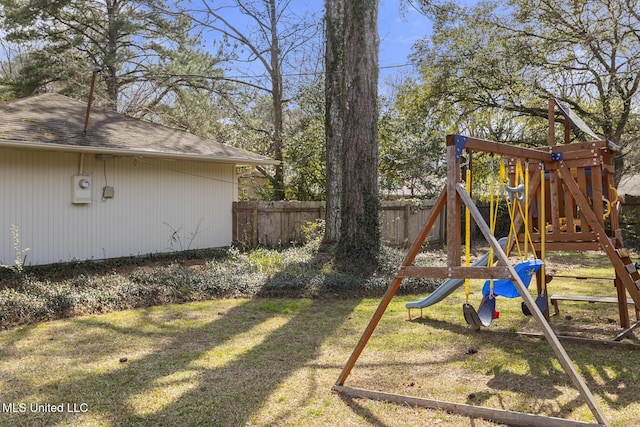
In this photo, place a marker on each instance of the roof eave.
(239, 161)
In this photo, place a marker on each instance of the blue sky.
(398, 33)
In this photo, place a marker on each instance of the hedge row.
(293, 272)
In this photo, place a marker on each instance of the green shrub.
(18, 308)
(301, 271)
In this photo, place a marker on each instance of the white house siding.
(159, 206)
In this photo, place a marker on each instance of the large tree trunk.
(360, 230)
(334, 46)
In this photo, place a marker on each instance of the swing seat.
(541, 302)
(487, 309)
(505, 287)
(471, 316)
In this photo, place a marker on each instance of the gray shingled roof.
(56, 122)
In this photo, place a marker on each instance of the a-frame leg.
(551, 337)
(393, 287)
(511, 417)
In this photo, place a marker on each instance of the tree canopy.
(513, 55)
(274, 38)
(146, 57)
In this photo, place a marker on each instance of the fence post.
(254, 226)
(407, 215)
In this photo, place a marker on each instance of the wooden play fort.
(561, 197)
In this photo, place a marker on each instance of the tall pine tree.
(145, 57)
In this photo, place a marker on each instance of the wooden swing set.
(567, 203)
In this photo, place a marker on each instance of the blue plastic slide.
(449, 285)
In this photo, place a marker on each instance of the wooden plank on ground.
(511, 418)
(583, 340)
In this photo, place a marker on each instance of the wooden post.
(407, 216)
(254, 226)
(596, 189)
(623, 307)
(551, 136)
(453, 205)
(553, 177)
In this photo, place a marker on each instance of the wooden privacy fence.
(281, 223)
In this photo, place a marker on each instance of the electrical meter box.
(81, 189)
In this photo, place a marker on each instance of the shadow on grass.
(363, 412)
(214, 393)
(605, 370)
(219, 372)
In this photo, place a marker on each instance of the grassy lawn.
(272, 361)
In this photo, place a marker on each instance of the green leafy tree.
(305, 153)
(514, 55)
(412, 145)
(12, 57)
(269, 39)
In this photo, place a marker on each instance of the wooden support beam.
(455, 272)
(622, 335)
(554, 197)
(393, 287)
(582, 147)
(511, 418)
(582, 163)
(571, 246)
(601, 236)
(623, 308)
(596, 189)
(453, 207)
(570, 215)
(582, 340)
(571, 236)
(560, 352)
(551, 115)
(475, 144)
(486, 146)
